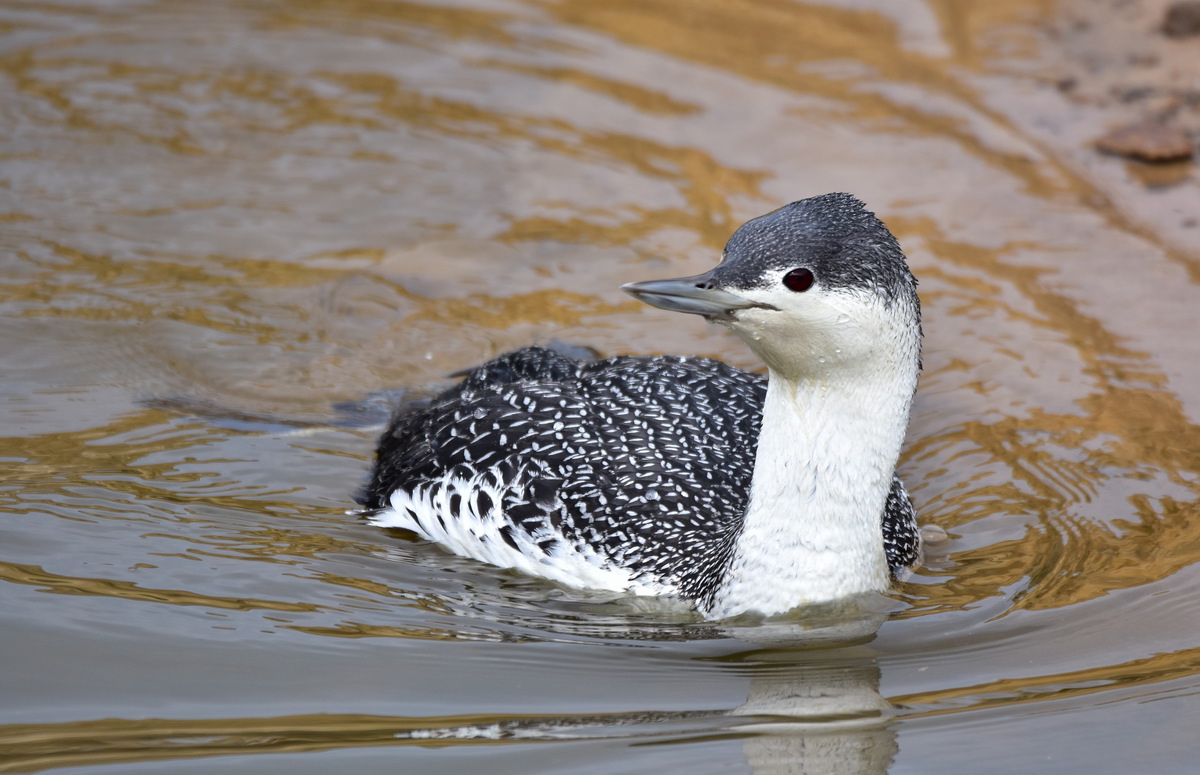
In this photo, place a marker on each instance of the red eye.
(799, 280)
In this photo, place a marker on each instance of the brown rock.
(1182, 20)
(1148, 141)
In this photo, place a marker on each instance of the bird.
(682, 476)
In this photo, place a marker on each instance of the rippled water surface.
(222, 220)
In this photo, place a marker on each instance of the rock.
(1182, 19)
(1148, 141)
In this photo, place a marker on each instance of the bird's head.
(817, 288)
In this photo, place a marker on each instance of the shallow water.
(219, 220)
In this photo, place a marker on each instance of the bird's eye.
(799, 280)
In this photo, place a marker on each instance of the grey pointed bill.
(695, 294)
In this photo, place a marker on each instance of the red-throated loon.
(685, 476)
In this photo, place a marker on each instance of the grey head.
(833, 236)
(817, 277)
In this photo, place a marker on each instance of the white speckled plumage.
(685, 476)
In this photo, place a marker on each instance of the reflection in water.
(248, 212)
(825, 719)
(806, 711)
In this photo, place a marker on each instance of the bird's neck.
(827, 453)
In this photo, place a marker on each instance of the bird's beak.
(697, 294)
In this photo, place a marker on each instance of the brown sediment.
(1133, 61)
(1152, 141)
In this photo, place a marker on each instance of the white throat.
(827, 453)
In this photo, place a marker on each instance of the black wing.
(612, 454)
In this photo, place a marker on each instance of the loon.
(684, 476)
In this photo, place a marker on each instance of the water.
(220, 220)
